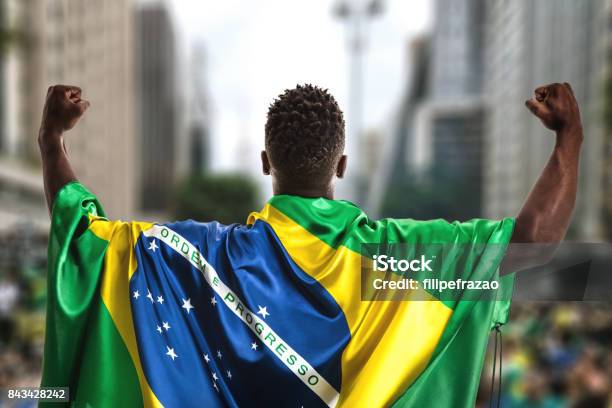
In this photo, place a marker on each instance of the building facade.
(158, 110)
(449, 123)
(198, 121)
(88, 45)
(531, 43)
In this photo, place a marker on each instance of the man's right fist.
(63, 108)
(556, 106)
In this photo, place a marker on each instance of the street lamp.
(356, 14)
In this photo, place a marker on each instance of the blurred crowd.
(555, 355)
(22, 306)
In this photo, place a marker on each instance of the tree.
(438, 193)
(227, 198)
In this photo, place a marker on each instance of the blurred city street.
(433, 94)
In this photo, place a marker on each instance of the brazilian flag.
(269, 313)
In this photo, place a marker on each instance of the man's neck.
(310, 192)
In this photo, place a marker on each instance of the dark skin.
(544, 217)
(547, 212)
(63, 108)
(284, 185)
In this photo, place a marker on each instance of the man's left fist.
(63, 108)
(556, 106)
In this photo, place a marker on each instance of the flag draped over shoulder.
(263, 314)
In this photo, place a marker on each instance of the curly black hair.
(305, 134)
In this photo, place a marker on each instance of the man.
(270, 313)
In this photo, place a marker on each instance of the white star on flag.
(150, 296)
(229, 374)
(136, 294)
(160, 299)
(263, 311)
(213, 301)
(219, 354)
(206, 358)
(153, 246)
(253, 346)
(215, 376)
(187, 305)
(171, 353)
(166, 326)
(159, 329)
(215, 385)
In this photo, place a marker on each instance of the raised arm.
(546, 214)
(63, 108)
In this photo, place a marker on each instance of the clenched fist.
(556, 106)
(63, 108)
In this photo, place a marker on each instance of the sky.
(257, 49)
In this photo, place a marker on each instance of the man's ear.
(341, 168)
(265, 163)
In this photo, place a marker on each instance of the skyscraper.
(3, 46)
(22, 202)
(87, 44)
(23, 81)
(396, 157)
(449, 123)
(438, 134)
(158, 97)
(531, 43)
(81, 43)
(198, 122)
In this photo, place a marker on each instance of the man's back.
(269, 313)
